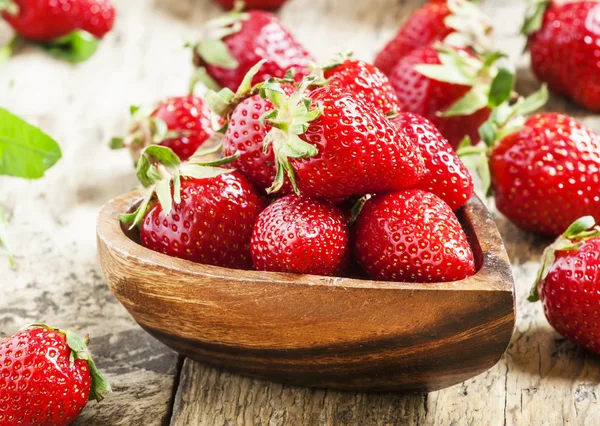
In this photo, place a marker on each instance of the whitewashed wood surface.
(542, 380)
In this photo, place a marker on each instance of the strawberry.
(47, 20)
(564, 40)
(568, 283)
(341, 147)
(203, 213)
(240, 41)
(546, 175)
(446, 175)
(47, 376)
(364, 80)
(301, 235)
(457, 20)
(412, 236)
(182, 123)
(451, 88)
(253, 4)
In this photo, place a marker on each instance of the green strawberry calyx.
(534, 16)
(288, 120)
(79, 350)
(144, 130)
(505, 119)
(160, 171)
(581, 230)
(490, 85)
(212, 49)
(222, 102)
(472, 27)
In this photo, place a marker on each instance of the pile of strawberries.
(354, 169)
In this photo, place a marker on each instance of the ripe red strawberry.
(47, 376)
(246, 134)
(242, 40)
(454, 94)
(254, 4)
(434, 21)
(365, 81)
(412, 236)
(343, 147)
(182, 123)
(568, 284)
(204, 214)
(446, 175)
(564, 46)
(47, 20)
(301, 235)
(547, 174)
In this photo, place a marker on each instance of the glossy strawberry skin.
(245, 134)
(446, 175)
(212, 224)
(302, 235)
(428, 97)
(189, 115)
(564, 52)
(47, 20)
(254, 4)
(412, 236)
(38, 386)
(423, 27)
(262, 36)
(547, 175)
(359, 150)
(570, 294)
(367, 82)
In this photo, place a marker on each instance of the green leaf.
(9, 6)
(534, 16)
(501, 87)
(7, 50)
(4, 237)
(200, 75)
(445, 73)
(163, 155)
(474, 100)
(534, 101)
(25, 151)
(219, 102)
(198, 171)
(163, 192)
(580, 225)
(75, 48)
(216, 52)
(133, 219)
(133, 109)
(246, 84)
(488, 132)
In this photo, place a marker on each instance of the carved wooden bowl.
(325, 332)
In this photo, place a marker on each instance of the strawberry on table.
(182, 123)
(47, 376)
(458, 21)
(241, 39)
(452, 88)
(412, 236)
(47, 20)
(446, 176)
(202, 213)
(332, 144)
(547, 174)
(366, 81)
(301, 235)
(568, 283)
(564, 40)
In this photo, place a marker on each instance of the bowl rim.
(494, 274)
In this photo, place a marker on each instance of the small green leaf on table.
(25, 151)
(75, 47)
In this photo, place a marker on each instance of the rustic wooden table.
(542, 379)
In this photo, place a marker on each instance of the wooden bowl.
(325, 332)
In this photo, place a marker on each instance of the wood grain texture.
(318, 331)
(542, 380)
